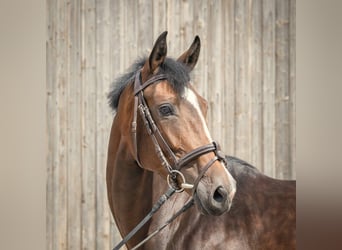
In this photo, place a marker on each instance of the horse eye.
(166, 110)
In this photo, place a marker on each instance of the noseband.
(160, 143)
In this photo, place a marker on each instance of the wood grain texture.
(246, 71)
(103, 119)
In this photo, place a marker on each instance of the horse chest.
(195, 231)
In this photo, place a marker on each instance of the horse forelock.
(178, 75)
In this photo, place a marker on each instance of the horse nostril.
(220, 194)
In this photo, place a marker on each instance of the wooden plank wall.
(246, 71)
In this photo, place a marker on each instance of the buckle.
(172, 181)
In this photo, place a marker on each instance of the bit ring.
(172, 180)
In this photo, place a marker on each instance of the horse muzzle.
(212, 198)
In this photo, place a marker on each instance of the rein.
(173, 169)
(154, 209)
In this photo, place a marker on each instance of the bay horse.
(159, 139)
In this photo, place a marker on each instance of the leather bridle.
(160, 143)
(173, 168)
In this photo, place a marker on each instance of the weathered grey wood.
(269, 87)
(51, 91)
(242, 81)
(282, 98)
(103, 119)
(88, 125)
(256, 81)
(246, 71)
(116, 67)
(228, 145)
(57, 75)
(292, 97)
(144, 28)
(157, 20)
(74, 135)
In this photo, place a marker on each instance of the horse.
(160, 140)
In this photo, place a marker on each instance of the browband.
(150, 81)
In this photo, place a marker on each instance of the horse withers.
(159, 138)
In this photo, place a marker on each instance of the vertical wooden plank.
(52, 125)
(186, 28)
(130, 32)
(103, 120)
(197, 23)
(255, 58)
(60, 173)
(51, 121)
(146, 26)
(88, 123)
(116, 67)
(208, 61)
(292, 119)
(269, 86)
(158, 20)
(200, 75)
(116, 43)
(174, 13)
(242, 81)
(215, 70)
(228, 72)
(121, 12)
(282, 132)
(74, 90)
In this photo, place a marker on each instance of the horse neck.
(129, 187)
(255, 190)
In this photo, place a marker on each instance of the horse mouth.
(199, 206)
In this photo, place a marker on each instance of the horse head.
(177, 112)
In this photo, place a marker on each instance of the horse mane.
(238, 166)
(236, 160)
(178, 75)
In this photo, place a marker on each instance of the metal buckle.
(172, 181)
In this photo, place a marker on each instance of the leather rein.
(162, 147)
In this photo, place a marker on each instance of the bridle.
(160, 143)
(173, 168)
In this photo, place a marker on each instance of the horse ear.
(158, 54)
(190, 57)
